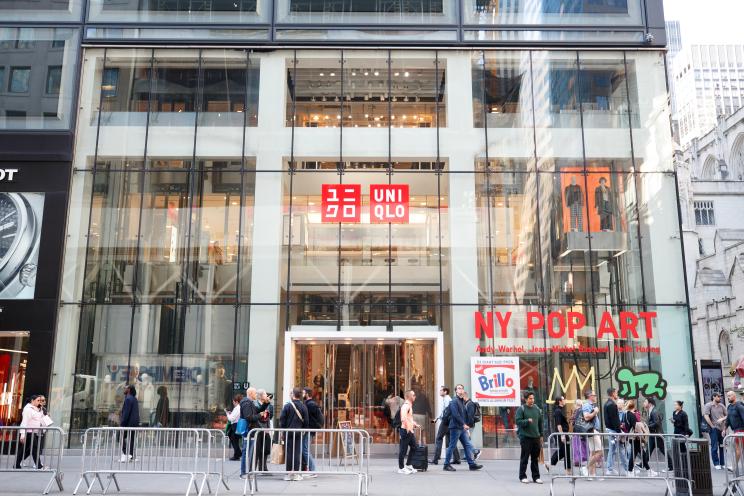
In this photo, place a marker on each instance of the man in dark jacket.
(458, 431)
(252, 415)
(129, 418)
(612, 425)
(316, 421)
(294, 416)
(653, 421)
(530, 430)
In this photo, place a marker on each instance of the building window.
(704, 214)
(54, 79)
(19, 78)
(724, 345)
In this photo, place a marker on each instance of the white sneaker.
(125, 458)
(411, 469)
(652, 473)
(525, 481)
(309, 475)
(538, 481)
(404, 471)
(630, 474)
(296, 477)
(718, 467)
(584, 471)
(612, 472)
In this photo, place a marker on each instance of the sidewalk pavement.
(497, 477)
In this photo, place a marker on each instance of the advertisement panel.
(495, 381)
(20, 234)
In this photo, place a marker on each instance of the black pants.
(263, 448)
(32, 447)
(655, 443)
(562, 453)
(235, 443)
(637, 448)
(407, 443)
(443, 435)
(293, 451)
(530, 450)
(128, 447)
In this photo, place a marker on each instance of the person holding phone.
(232, 417)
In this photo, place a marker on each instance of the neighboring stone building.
(711, 175)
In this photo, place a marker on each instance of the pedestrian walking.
(30, 437)
(612, 426)
(590, 412)
(633, 424)
(408, 444)
(579, 446)
(530, 431)
(714, 413)
(263, 440)
(560, 423)
(294, 416)
(316, 421)
(233, 416)
(681, 428)
(655, 428)
(129, 418)
(735, 422)
(458, 428)
(443, 429)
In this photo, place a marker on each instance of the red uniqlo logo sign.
(388, 203)
(341, 203)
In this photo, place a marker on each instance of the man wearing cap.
(715, 415)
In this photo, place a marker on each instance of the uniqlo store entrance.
(359, 382)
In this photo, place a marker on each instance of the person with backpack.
(612, 426)
(294, 416)
(472, 417)
(735, 420)
(443, 430)
(530, 431)
(316, 421)
(633, 424)
(458, 428)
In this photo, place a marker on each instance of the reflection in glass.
(366, 11)
(560, 12)
(180, 11)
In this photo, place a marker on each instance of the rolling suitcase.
(420, 458)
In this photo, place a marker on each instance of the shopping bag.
(277, 452)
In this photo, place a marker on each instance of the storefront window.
(366, 12)
(179, 11)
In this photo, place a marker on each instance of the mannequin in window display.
(603, 202)
(147, 404)
(574, 203)
(220, 389)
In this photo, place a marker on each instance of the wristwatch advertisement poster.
(20, 234)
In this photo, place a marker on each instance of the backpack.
(623, 426)
(476, 413)
(316, 420)
(396, 420)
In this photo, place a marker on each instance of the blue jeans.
(243, 456)
(462, 436)
(716, 447)
(307, 457)
(615, 445)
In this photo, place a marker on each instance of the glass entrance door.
(363, 382)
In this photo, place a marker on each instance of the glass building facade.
(202, 251)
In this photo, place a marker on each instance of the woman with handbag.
(29, 439)
(294, 416)
(233, 416)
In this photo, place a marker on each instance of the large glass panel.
(223, 89)
(123, 88)
(113, 236)
(313, 246)
(563, 12)
(45, 10)
(568, 273)
(38, 78)
(366, 90)
(102, 365)
(417, 87)
(315, 86)
(181, 11)
(163, 237)
(420, 12)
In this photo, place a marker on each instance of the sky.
(708, 21)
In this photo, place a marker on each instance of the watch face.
(10, 219)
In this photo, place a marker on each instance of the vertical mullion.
(389, 304)
(439, 173)
(291, 171)
(340, 171)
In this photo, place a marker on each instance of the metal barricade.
(112, 451)
(331, 452)
(215, 457)
(37, 450)
(585, 456)
(733, 446)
